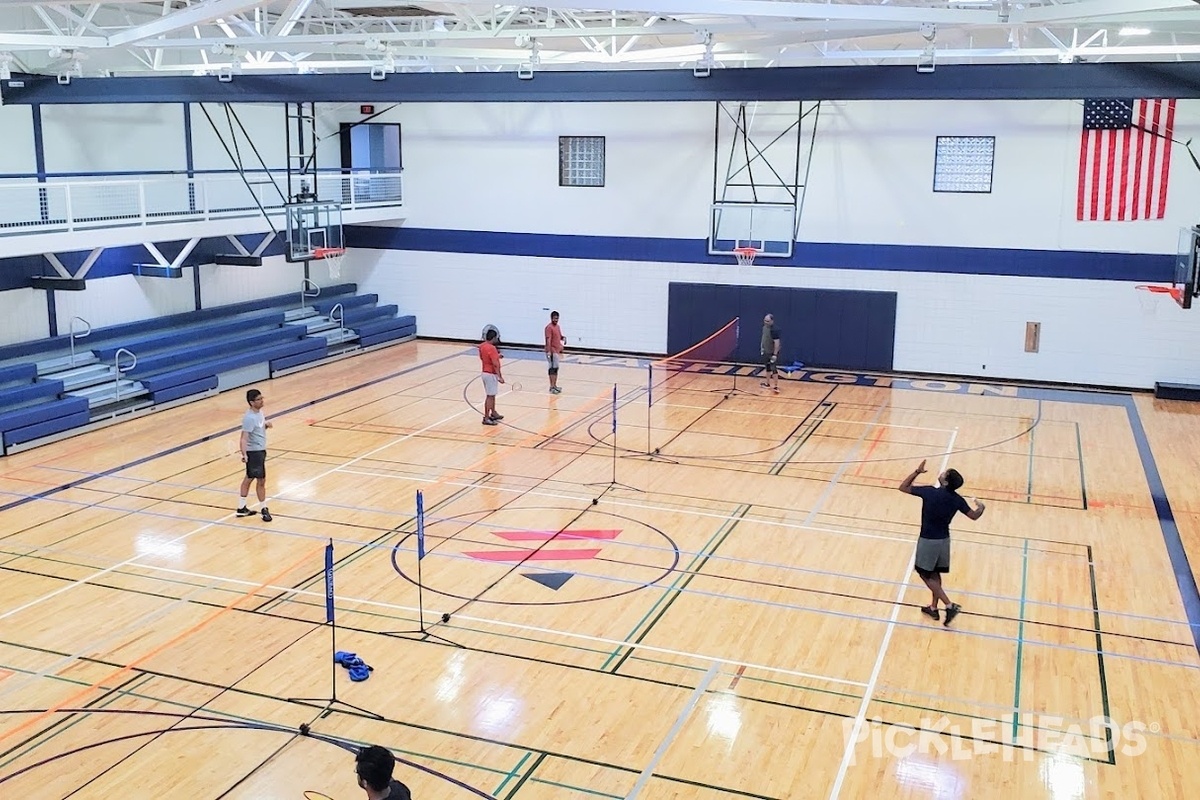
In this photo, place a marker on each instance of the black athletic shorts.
(769, 364)
(256, 463)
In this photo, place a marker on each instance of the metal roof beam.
(1090, 9)
(192, 15)
(785, 9)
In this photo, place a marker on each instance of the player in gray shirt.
(253, 445)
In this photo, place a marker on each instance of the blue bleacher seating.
(183, 355)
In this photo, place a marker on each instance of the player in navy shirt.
(374, 766)
(939, 504)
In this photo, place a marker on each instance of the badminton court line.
(207, 525)
(672, 734)
(873, 681)
(31, 549)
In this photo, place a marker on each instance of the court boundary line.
(868, 695)
(680, 720)
(226, 431)
(899, 538)
(162, 647)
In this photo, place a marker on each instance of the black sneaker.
(497, 417)
(951, 613)
(245, 512)
(266, 515)
(932, 613)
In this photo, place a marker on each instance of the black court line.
(676, 589)
(688, 573)
(177, 448)
(1105, 709)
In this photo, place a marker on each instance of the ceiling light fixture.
(1133, 32)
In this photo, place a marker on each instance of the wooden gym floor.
(736, 619)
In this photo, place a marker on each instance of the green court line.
(812, 423)
(680, 583)
(576, 788)
(146, 677)
(512, 773)
(1020, 635)
(50, 733)
(641, 659)
(525, 778)
(1112, 751)
(1079, 450)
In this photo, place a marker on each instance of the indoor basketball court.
(639, 616)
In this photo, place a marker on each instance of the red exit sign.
(366, 109)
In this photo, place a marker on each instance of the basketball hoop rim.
(329, 252)
(1173, 291)
(745, 255)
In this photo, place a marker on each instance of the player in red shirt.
(554, 351)
(492, 377)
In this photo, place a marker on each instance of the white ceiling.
(185, 37)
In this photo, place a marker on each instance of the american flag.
(1124, 159)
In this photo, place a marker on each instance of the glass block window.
(581, 161)
(964, 163)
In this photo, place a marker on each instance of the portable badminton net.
(706, 366)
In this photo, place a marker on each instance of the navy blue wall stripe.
(900, 82)
(1077, 264)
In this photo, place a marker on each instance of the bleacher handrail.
(305, 283)
(75, 335)
(338, 314)
(119, 371)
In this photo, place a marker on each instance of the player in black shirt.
(374, 767)
(939, 504)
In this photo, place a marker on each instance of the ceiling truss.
(196, 37)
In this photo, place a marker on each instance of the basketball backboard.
(312, 227)
(1187, 263)
(767, 227)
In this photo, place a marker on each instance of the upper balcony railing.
(80, 203)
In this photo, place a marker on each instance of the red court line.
(576, 554)
(867, 455)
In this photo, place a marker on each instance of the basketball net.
(1150, 297)
(745, 255)
(333, 261)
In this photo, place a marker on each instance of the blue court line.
(1184, 577)
(137, 462)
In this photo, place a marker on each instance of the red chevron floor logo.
(551, 580)
(516, 555)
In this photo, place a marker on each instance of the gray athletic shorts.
(491, 385)
(552, 361)
(933, 555)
